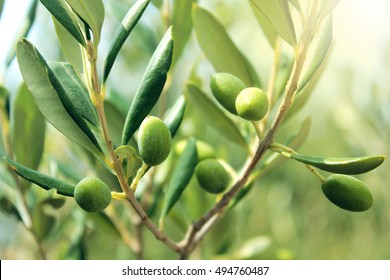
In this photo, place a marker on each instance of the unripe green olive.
(225, 88)
(92, 194)
(154, 141)
(347, 192)
(212, 176)
(252, 104)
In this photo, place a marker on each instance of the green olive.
(225, 88)
(212, 176)
(252, 104)
(154, 141)
(347, 192)
(92, 194)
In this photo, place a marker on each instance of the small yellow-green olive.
(252, 104)
(154, 141)
(212, 176)
(225, 88)
(92, 194)
(347, 192)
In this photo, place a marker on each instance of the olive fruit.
(252, 104)
(92, 194)
(225, 88)
(154, 141)
(212, 176)
(347, 192)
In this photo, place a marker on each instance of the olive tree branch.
(97, 95)
(291, 87)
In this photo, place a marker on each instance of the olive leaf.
(71, 49)
(44, 181)
(182, 25)
(27, 123)
(127, 25)
(175, 115)
(133, 161)
(278, 14)
(296, 4)
(64, 14)
(70, 106)
(318, 53)
(75, 91)
(53, 101)
(180, 178)
(328, 6)
(104, 223)
(268, 29)
(43, 223)
(353, 165)
(220, 49)
(92, 12)
(151, 86)
(24, 29)
(214, 116)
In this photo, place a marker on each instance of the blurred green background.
(286, 215)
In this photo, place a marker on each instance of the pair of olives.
(250, 103)
(154, 144)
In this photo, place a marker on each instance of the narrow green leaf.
(56, 203)
(71, 49)
(92, 12)
(44, 181)
(127, 25)
(28, 129)
(182, 25)
(180, 177)
(75, 90)
(355, 165)
(267, 27)
(220, 49)
(104, 223)
(151, 86)
(301, 97)
(240, 195)
(318, 53)
(328, 6)
(157, 3)
(253, 247)
(213, 116)
(296, 4)
(133, 162)
(63, 13)
(175, 115)
(35, 72)
(24, 29)
(70, 107)
(43, 223)
(277, 12)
